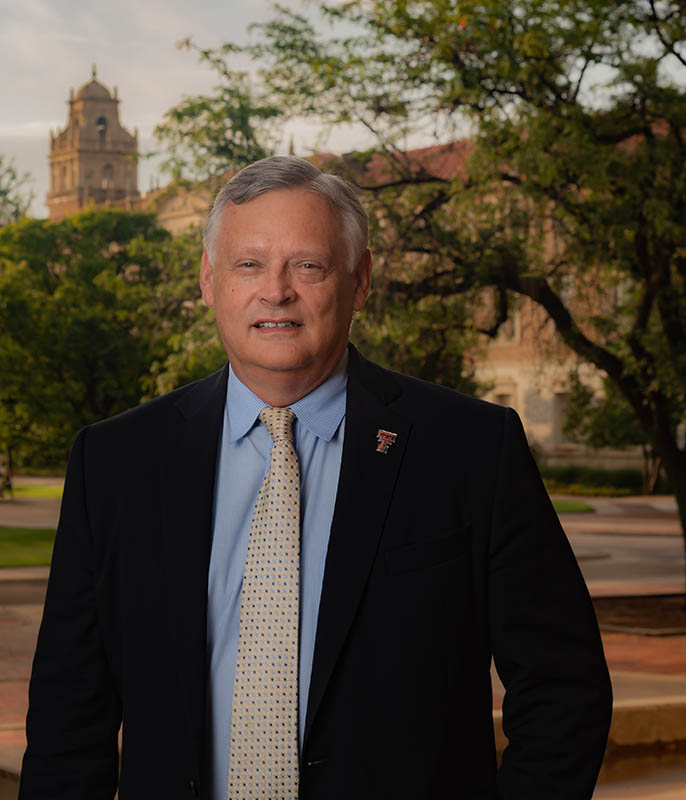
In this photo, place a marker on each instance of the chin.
(284, 358)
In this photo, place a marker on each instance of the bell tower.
(93, 160)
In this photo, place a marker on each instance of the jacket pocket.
(428, 553)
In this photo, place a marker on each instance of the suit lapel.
(365, 487)
(188, 473)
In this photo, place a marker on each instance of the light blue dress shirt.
(242, 464)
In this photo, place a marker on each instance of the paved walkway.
(648, 673)
(23, 513)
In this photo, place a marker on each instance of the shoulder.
(421, 399)
(442, 420)
(425, 395)
(151, 419)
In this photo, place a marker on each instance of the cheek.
(228, 294)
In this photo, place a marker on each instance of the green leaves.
(87, 305)
(207, 135)
(15, 194)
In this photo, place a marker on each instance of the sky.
(49, 46)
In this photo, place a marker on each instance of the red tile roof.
(442, 161)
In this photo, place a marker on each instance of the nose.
(277, 288)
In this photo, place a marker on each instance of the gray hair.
(289, 172)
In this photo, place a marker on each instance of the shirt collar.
(320, 411)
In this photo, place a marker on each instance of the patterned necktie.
(263, 749)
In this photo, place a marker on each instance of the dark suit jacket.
(443, 551)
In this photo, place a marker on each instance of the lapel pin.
(385, 440)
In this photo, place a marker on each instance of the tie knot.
(279, 422)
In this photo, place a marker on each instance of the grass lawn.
(25, 547)
(573, 506)
(37, 491)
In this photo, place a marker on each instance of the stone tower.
(93, 160)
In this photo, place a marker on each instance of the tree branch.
(540, 291)
(669, 46)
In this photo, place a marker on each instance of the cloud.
(37, 10)
(35, 129)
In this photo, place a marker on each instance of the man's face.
(282, 289)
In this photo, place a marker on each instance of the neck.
(281, 389)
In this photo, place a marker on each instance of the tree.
(608, 421)
(15, 195)
(86, 306)
(574, 192)
(419, 338)
(206, 135)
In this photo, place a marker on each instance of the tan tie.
(263, 750)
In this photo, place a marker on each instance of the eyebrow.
(259, 252)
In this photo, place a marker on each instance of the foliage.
(186, 329)
(194, 352)
(86, 305)
(607, 420)
(604, 420)
(418, 338)
(15, 195)
(208, 134)
(583, 480)
(625, 478)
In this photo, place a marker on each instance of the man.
(424, 543)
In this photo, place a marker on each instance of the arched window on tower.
(101, 128)
(63, 180)
(107, 176)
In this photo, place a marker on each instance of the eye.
(311, 271)
(313, 267)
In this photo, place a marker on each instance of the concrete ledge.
(650, 721)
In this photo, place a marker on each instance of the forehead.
(282, 212)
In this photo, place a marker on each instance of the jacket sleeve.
(74, 708)
(545, 640)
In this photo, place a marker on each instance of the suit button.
(193, 786)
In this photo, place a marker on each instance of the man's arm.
(545, 639)
(74, 707)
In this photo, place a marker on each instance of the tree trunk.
(651, 469)
(674, 463)
(6, 474)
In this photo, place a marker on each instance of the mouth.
(286, 323)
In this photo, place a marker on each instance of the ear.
(363, 280)
(207, 279)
